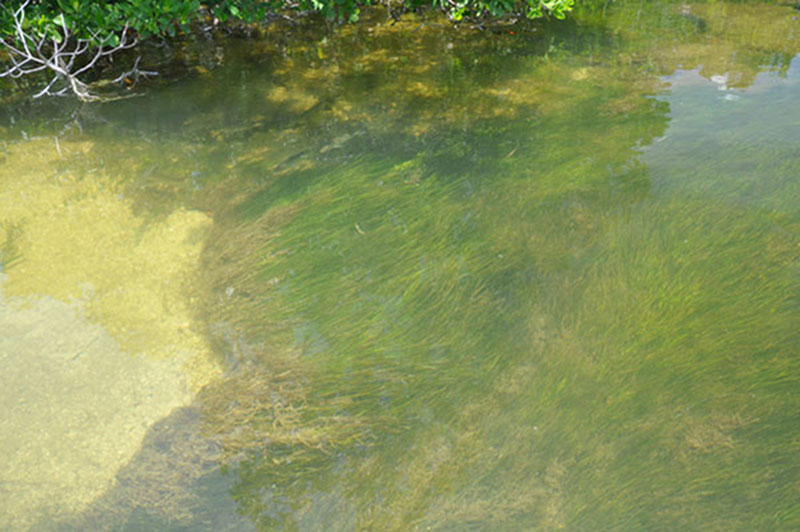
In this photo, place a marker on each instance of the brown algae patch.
(97, 339)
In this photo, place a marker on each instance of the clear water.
(411, 277)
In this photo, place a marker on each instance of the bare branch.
(46, 90)
(134, 72)
(67, 58)
(21, 11)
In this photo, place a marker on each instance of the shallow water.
(403, 276)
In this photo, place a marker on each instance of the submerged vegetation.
(557, 343)
(520, 281)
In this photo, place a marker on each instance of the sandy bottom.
(75, 407)
(98, 341)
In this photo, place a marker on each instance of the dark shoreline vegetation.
(72, 41)
(466, 280)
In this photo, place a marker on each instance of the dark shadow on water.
(174, 483)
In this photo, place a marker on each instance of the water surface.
(405, 276)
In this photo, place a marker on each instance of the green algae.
(563, 341)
